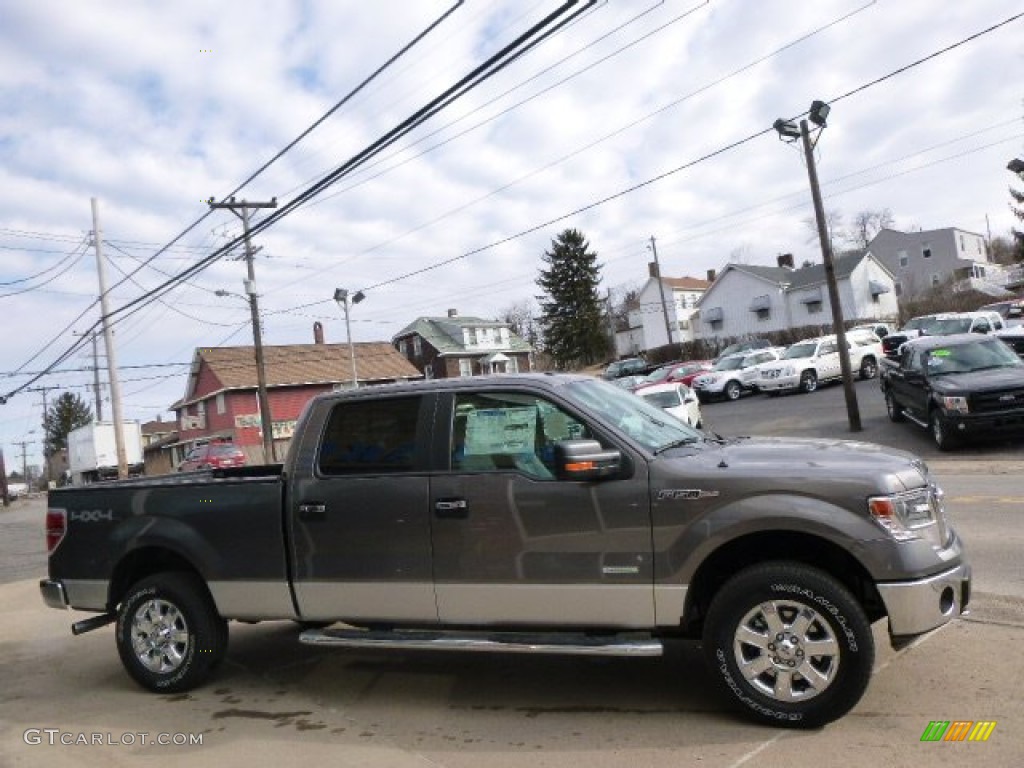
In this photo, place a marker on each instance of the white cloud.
(153, 107)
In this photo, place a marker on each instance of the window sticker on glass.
(500, 430)
(940, 353)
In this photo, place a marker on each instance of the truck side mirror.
(585, 460)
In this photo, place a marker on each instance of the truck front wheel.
(944, 439)
(169, 635)
(790, 645)
(808, 381)
(895, 411)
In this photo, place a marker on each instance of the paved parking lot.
(276, 701)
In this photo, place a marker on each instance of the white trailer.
(92, 451)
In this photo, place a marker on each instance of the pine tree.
(68, 412)
(572, 316)
(1018, 235)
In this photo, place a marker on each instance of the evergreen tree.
(572, 316)
(1018, 235)
(67, 413)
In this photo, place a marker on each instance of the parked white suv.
(807, 363)
(733, 375)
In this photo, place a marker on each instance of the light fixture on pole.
(790, 132)
(341, 295)
(1015, 166)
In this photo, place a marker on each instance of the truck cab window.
(509, 431)
(370, 437)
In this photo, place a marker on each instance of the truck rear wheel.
(868, 368)
(169, 635)
(790, 645)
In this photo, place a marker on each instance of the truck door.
(359, 514)
(513, 544)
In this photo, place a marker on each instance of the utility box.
(92, 451)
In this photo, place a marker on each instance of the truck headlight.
(909, 516)
(958, 404)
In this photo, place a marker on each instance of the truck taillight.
(56, 527)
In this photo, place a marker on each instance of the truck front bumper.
(916, 607)
(54, 594)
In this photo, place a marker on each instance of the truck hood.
(993, 379)
(808, 461)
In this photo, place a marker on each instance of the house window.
(221, 405)
(764, 314)
(403, 349)
(935, 280)
(926, 252)
(963, 245)
(716, 325)
(417, 346)
(874, 298)
(465, 367)
(470, 335)
(813, 307)
(512, 366)
(904, 260)
(684, 325)
(428, 371)
(898, 286)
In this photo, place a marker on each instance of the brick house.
(220, 397)
(453, 346)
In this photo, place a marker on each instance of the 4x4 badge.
(685, 493)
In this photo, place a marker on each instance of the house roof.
(686, 283)
(158, 427)
(445, 334)
(804, 277)
(298, 364)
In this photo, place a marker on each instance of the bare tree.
(866, 225)
(1002, 250)
(833, 223)
(521, 317)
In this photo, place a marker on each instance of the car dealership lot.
(274, 700)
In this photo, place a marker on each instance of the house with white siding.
(746, 300)
(675, 297)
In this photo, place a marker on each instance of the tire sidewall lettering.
(848, 633)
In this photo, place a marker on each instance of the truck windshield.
(947, 326)
(650, 426)
(965, 358)
(729, 364)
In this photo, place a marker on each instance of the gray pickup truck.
(536, 513)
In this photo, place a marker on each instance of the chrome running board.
(576, 644)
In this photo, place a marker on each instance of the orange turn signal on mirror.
(580, 466)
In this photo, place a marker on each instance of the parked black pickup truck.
(958, 387)
(527, 513)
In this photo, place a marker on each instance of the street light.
(342, 297)
(788, 131)
(1016, 165)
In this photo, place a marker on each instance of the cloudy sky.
(662, 110)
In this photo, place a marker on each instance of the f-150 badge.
(685, 493)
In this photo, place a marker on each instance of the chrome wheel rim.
(732, 391)
(810, 383)
(160, 636)
(938, 432)
(869, 370)
(786, 651)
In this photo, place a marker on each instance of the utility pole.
(108, 341)
(266, 423)
(661, 291)
(46, 458)
(4, 496)
(852, 409)
(97, 399)
(24, 461)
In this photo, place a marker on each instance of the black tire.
(895, 412)
(943, 438)
(868, 368)
(738, 629)
(808, 381)
(192, 638)
(732, 390)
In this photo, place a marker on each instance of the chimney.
(785, 260)
(318, 332)
(711, 275)
(453, 313)
(652, 268)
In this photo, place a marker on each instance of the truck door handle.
(312, 510)
(451, 508)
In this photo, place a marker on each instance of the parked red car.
(676, 373)
(215, 455)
